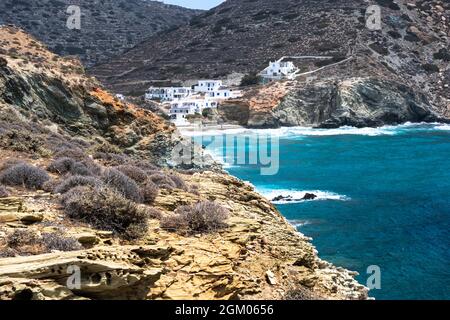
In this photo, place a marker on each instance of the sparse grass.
(24, 175)
(106, 209)
(203, 217)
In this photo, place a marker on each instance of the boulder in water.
(309, 196)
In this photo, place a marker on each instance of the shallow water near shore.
(383, 199)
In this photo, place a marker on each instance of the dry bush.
(24, 175)
(194, 189)
(299, 293)
(153, 213)
(50, 185)
(3, 192)
(80, 169)
(162, 180)
(21, 140)
(61, 165)
(179, 182)
(149, 192)
(10, 163)
(106, 209)
(112, 159)
(203, 217)
(73, 153)
(21, 237)
(133, 172)
(76, 181)
(145, 165)
(25, 242)
(107, 148)
(60, 242)
(124, 185)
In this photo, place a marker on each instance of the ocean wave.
(309, 131)
(297, 196)
(445, 127)
(299, 223)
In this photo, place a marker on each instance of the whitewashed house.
(181, 109)
(167, 93)
(216, 90)
(205, 86)
(224, 93)
(279, 70)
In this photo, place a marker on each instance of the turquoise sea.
(383, 199)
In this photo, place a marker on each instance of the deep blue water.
(384, 200)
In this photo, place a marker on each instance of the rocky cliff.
(69, 229)
(357, 102)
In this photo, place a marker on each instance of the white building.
(121, 97)
(185, 101)
(181, 109)
(216, 90)
(279, 70)
(205, 86)
(224, 93)
(167, 93)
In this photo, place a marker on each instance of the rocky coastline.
(255, 254)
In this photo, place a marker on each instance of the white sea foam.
(308, 131)
(298, 195)
(299, 223)
(445, 127)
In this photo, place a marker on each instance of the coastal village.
(189, 101)
(186, 102)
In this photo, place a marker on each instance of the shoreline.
(195, 130)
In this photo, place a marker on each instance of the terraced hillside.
(108, 27)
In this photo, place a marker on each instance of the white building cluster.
(185, 101)
(279, 70)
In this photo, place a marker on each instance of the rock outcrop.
(232, 264)
(354, 102)
(37, 83)
(358, 102)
